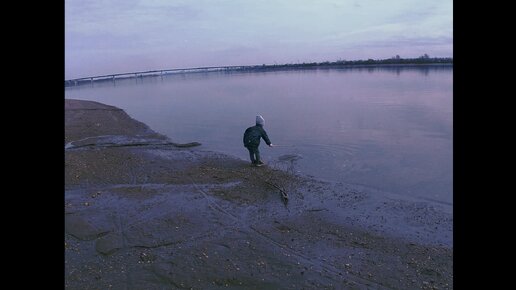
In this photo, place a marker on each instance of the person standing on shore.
(252, 137)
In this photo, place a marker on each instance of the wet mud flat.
(144, 212)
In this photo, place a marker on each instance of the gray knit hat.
(260, 120)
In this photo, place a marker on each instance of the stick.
(284, 195)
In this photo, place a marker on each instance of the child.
(252, 137)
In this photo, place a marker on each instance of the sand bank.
(143, 213)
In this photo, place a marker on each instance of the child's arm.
(266, 138)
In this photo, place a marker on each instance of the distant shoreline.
(392, 62)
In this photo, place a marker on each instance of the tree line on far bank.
(424, 59)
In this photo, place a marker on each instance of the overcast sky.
(115, 36)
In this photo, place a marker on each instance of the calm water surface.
(389, 129)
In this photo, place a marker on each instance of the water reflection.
(389, 128)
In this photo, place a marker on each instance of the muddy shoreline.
(143, 212)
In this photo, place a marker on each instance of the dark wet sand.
(142, 213)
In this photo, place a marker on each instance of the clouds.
(172, 33)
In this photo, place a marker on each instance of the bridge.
(141, 74)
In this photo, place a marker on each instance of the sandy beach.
(144, 212)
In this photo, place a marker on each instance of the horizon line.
(337, 62)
